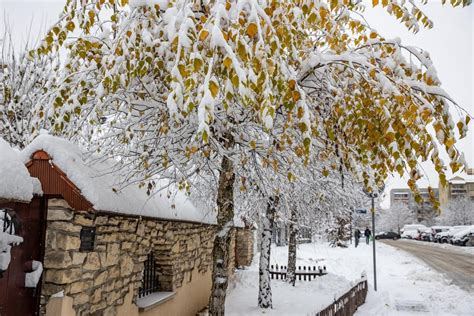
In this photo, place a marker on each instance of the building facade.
(424, 211)
(459, 186)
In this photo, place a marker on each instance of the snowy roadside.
(460, 249)
(406, 286)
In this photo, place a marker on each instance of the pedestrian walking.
(356, 237)
(367, 234)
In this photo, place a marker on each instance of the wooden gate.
(15, 298)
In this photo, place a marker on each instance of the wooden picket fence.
(302, 273)
(347, 304)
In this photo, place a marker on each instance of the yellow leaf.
(214, 88)
(227, 62)
(252, 29)
(449, 142)
(253, 145)
(296, 96)
(292, 84)
(205, 137)
(375, 2)
(70, 26)
(325, 172)
(323, 13)
(203, 35)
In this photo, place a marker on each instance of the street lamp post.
(373, 241)
(374, 195)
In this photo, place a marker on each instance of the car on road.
(387, 235)
(462, 237)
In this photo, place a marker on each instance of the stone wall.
(99, 280)
(244, 247)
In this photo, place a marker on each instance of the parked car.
(452, 232)
(426, 235)
(387, 235)
(462, 237)
(470, 241)
(442, 237)
(438, 229)
(412, 231)
(411, 234)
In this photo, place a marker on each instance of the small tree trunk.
(220, 253)
(291, 272)
(265, 290)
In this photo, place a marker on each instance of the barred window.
(150, 282)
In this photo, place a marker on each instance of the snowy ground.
(404, 284)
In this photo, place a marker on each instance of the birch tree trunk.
(291, 271)
(220, 253)
(265, 290)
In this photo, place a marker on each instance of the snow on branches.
(170, 78)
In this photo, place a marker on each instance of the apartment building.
(460, 185)
(423, 211)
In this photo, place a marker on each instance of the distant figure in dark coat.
(356, 237)
(367, 234)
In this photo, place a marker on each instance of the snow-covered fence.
(347, 304)
(302, 273)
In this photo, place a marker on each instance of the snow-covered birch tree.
(176, 86)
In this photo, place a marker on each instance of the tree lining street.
(457, 266)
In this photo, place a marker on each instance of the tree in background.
(338, 233)
(393, 218)
(26, 82)
(458, 211)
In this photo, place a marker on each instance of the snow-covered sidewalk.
(406, 286)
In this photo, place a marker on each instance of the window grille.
(150, 277)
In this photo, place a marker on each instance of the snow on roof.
(460, 178)
(99, 185)
(15, 181)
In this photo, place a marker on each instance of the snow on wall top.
(101, 188)
(15, 181)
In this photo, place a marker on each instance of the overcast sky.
(450, 44)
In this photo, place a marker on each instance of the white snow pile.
(15, 181)
(32, 278)
(7, 240)
(101, 187)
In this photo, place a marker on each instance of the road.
(456, 265)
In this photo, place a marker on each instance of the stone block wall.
(244, 241)
(99, 280)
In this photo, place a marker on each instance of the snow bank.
(15, 181)
(100, 186)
